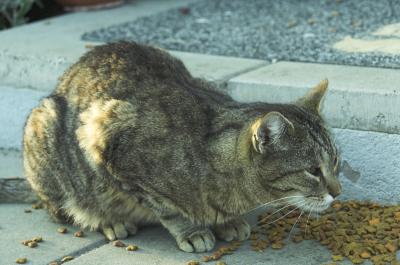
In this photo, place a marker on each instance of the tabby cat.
(130, 138)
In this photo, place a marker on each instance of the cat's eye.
(316, 171)
(336, 164)
(335, 161)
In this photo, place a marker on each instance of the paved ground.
(157, 247)
(325, 31)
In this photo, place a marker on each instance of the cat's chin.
(314, 204)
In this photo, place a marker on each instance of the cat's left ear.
(312, 100)
(269, 130)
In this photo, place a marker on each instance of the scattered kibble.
(27, 211)
(62, 230)
(37, 239)
(220, 263)
(66, 259)
(277, 245)
(365, 255)
(224, 250)
(32, 244)
(26, 242)
(193, 262)
(132, 248)
(54, 263)
(79, 234)
(118, 243)
(37, 206)
(337, 257)
(21, 260)
(359, 231)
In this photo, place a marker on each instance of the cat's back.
(138, 95)
(122, 70)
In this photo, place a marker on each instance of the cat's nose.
(335, 189)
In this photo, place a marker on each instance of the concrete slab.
(35, 55)
(359, 97)
(16, 226)
(370, 165)
(157, 247)
(216, 68)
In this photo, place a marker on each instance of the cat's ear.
(312, 100)
(268, 130)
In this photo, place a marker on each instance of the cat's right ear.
(312, 100)
(268, 131)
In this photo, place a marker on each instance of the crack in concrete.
(76, 254)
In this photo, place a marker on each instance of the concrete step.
(358, 98)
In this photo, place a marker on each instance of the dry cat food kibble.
(225, 250)
(132, 248)
(62, 230)
(118, 243)
(21, 260)
(66, 259)
(193, 262)
(32, 243)
(37, 239)
(79, 234)
(357, 230)
(37, 206)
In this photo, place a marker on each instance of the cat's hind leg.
(41, 155)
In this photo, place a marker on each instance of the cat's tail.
(16, 190)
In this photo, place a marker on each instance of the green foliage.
(13, 12)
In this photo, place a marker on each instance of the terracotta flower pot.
(81, 5)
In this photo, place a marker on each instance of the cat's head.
(294, 154)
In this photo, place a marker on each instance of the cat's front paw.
(119, 230)
(196, 241)
(237, 229)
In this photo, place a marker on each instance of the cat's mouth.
(313, 203)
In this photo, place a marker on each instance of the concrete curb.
(358, 98)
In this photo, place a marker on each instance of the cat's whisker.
(308, 217)
(268, 203)
(303, 203)
(272, 214)
(298, 218)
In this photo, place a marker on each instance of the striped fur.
(129, 136)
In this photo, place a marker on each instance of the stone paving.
(351, 32)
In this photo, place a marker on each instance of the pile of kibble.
(356, 230)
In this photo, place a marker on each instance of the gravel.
(289, 30)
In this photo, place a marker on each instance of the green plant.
(13, 12)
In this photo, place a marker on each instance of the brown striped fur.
(129, 137)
